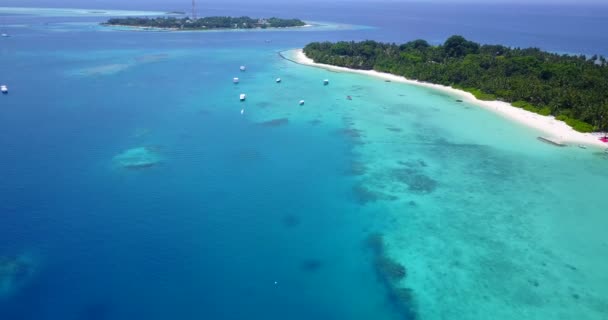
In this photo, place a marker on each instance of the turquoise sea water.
(268, 214)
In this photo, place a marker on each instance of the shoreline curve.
(555, 130)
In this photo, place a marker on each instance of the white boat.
(235, 80)
(243, 97)
(243, 68)
(4, 89)
(278, 80)
(301, 102)
(242, 111)
(325, 82)
(5, 35)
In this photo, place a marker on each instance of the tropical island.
(574, 89)
(206, 23)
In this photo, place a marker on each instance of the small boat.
(301, 102)
(243, 97)
(325, 82)
(242, 111)
(5, 35)
(349, 98)
(582, 146)
(278, 80)
(243, 68)
(4, 89)
(235, 80)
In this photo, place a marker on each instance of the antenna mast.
(194, 9)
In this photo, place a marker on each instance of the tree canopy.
(572, 88)
(205, 23)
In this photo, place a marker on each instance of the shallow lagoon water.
(267, 214)
(72, 12)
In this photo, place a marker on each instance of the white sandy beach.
(551, 128)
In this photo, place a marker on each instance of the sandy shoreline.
(159, 29)
(548, 125)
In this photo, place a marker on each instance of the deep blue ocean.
(252, 216)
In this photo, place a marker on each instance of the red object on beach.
(604, 139)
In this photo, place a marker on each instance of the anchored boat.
(4, 89)
(243, 97)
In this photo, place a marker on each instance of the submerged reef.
(364, 195)
(291, 221)
(355, 136)
(416, 181)
(311, 265)
(390, 183)
(375, 242)
(357, 169)
(15, 272)
(114, 68)
(95, 311)
(103, 70)
(389, 268)
(275, 122)
(391, 274)
(351, 132)
(138, 158)
(151, 58)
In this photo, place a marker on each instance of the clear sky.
(184, 4)
(91, 3)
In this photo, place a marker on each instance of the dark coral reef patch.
(290, 221)
(275, 122)
(311, 265)
(391, 274)
(415, 180)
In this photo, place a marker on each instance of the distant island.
(206, 23)
(572, 88)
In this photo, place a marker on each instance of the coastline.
(156, 29)
(552, 128)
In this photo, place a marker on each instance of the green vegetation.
(526, 106)
(572, 88)
(207, 23)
